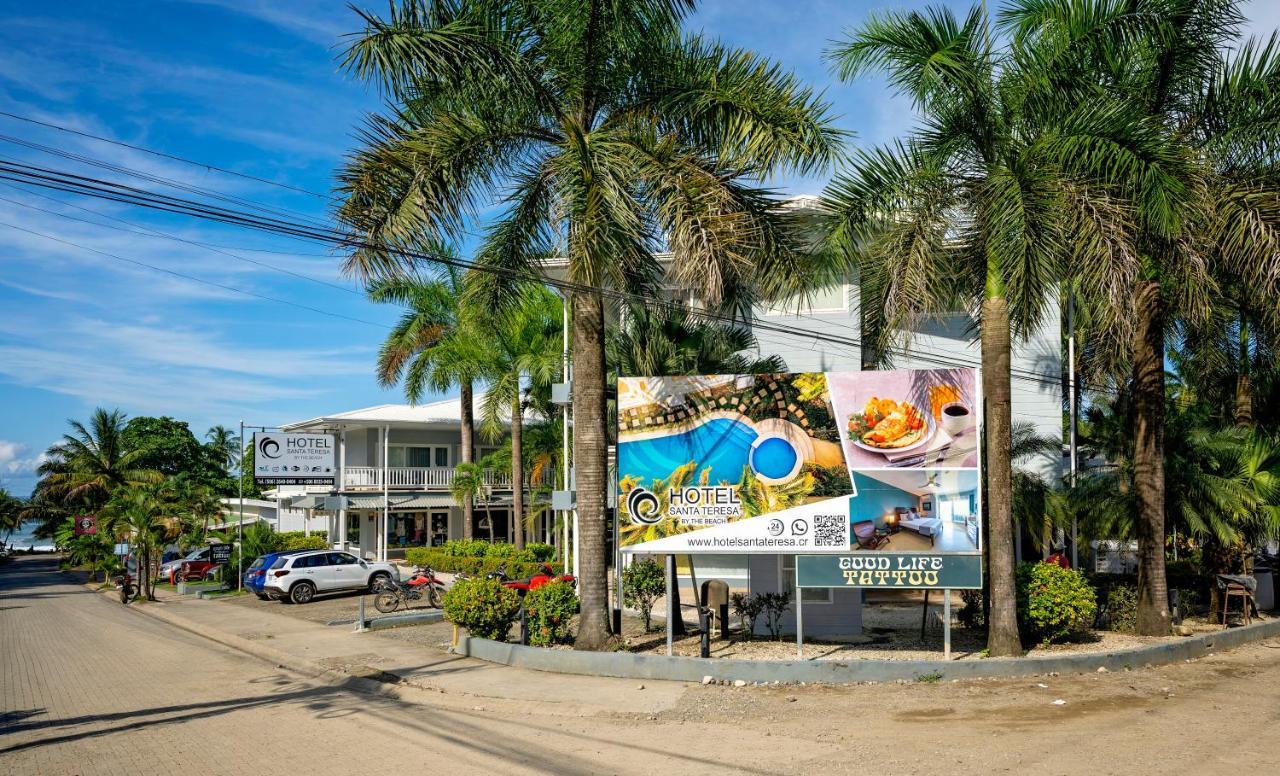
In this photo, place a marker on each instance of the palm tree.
(434, 347)
(10, 515)
(146, 516)
(673, 340)
(468, 485)
(1211, 211)
(225, 444)
(527, 340)
(982, 208)
(607, 135)
(92, 462)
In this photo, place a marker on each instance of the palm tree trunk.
(1243, 413)
(590, 454)
(1002, 622)
(466, 401)
(1148, 460)
(517, 470)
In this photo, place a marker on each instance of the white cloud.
(13, 458)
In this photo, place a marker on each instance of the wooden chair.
(1237, 590)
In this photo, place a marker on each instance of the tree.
(86, 468)
(435, 345)
(983, 207)
(1211, 213)
(10, 515)
(225, 446)
(468, 485)
(643, 582)
(526, 342)
(673, 340)
(146, 516)
(168, 446)
(607, 135)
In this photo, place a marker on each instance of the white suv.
(298, 577)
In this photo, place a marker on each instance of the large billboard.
(837, 464)
(293, 459)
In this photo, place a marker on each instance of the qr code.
(830, 531)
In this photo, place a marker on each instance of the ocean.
(23, 539)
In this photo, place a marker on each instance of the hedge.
(440, 560)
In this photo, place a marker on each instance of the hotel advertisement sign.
(881, 463)
(293, 459)
(905, 570)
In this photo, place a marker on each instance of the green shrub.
(440, 560)
(500, 550)
(642, 582)
(549, 611)
(311, 542)
(540, 552)
(746, 608)
(1120, 612)
(1054, 604)
(464, 548)
(285, 537)
(774, 605)
(971, 614)
(483, 606)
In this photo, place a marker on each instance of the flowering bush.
(1054, 604)
(483, 606)
(549, 610)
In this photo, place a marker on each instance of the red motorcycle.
(422, 583)
(544, 576)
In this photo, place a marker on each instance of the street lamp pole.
(240, 528)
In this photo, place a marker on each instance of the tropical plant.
(608, 135)
(1054, 603)
(147, 517)
(1207, 214)
(549, 611)
(93, 461)
(527, 343)
(643, 582)
(759, 498)
(83, 549)
(435, 345)
(467, 486)
(1037, 498)
(485, 607)
(747, 607)
(225, 445)
(11, 518)
(982, 208)
(674, 340)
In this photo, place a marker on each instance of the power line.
(192, 278)
(163, 235)
(163, 155)
(85, 186)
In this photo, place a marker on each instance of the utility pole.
(240, 529)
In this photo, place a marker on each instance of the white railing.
(424, 477)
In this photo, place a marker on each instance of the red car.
(195, 565)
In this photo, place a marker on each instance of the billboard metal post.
(946, 624)
(671, 604)
(240, 528)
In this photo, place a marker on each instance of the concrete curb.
(691, 669)
(393, 620)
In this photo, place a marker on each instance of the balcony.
(416, 478)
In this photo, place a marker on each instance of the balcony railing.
(418, 478)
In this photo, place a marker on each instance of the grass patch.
(225, 593)
(933, 677)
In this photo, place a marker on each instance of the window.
(418, 456)
(811, 595)
(341, 559)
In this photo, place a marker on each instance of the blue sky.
(250, 85)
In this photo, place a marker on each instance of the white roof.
(446, 412)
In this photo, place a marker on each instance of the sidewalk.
(337, 653)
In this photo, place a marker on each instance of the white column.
(342, 485)
(386, 496)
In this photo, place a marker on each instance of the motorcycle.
(545, 575)
(422, 583)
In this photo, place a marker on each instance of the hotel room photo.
(915, 510)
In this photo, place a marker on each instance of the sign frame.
(288, 458)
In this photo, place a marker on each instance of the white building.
(396, 463)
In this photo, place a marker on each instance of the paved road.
(88, 686)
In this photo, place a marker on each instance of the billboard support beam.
(671, 602)
(946, 624)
